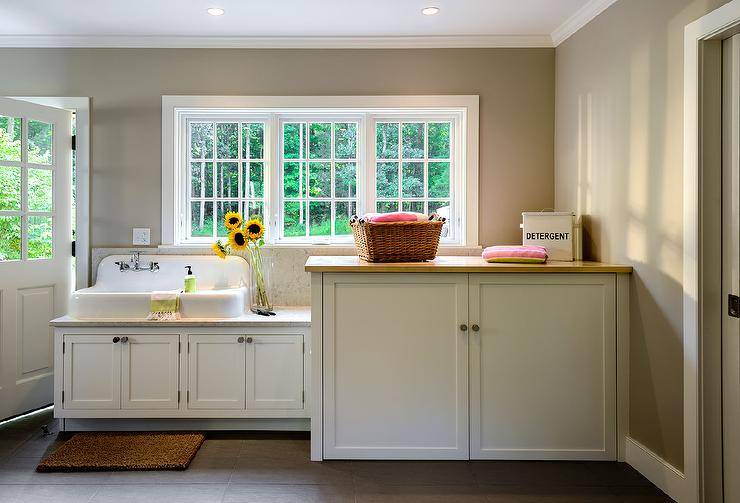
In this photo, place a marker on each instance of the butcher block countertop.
(463, 264)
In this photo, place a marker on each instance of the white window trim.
(173, 136)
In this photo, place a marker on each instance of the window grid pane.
(414, 167)
(315, 155)
(227, 173)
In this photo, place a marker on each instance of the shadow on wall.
(624, 168)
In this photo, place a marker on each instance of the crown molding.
(433, 42)
(578, 20)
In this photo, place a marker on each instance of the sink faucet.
(135, 264)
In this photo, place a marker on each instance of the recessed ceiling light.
(430, 11)
(216, 11)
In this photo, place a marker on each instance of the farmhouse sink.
(222, 291)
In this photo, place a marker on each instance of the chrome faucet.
(135, 264)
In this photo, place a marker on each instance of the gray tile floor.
(272, 467)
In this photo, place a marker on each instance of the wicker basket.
(397, 241)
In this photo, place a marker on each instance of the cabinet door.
(274, 372)
(92, 372)
(542, 366)
(216, 371)
(395, 366)
(150, 371)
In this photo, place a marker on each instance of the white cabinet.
(542, 366)
(149, 371)
(467, 365)
(274, 372)
(92, 372)
(395, 366)
(108, 371)
(216, 371)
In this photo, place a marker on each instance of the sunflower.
(238, 239)
(254, 229)
(233, 220)
(219, 249)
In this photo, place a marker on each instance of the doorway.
(731, 268)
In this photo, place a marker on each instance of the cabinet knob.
(475, 328)
(249, 340)
(464, 327)
(124, 339)
(116, 339)
(240, 340)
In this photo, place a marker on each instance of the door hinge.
(64, 347)
(304, 347)
(74, 248)
(178, 396)
(179, 347)
(62, 396)
(74, 142)
(188, 347)
(188, 396)
(303, 396)
(733, 306)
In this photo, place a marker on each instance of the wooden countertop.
(455, 264)
(285, 317)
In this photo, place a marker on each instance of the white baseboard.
(657, 470)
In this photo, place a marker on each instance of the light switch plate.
(141, 236)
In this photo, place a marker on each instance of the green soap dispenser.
(190, 285)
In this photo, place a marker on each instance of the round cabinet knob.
(124, 339)
(475, 328)
(240, 340)
(464, 327)
(116, 339)
(249, 340)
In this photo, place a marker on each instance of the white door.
(92, 372)
(216, 371)
(150, 371)
(395, 366)
(274, 372)
(542, 366)
(731, 270)
(35, 247)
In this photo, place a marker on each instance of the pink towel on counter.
(515, 254)
(396, 216)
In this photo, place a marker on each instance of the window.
(26, 189)
(306, 170)
(226, 173)
(412, 168)
(319, 162)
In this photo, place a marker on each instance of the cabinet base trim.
(660, 472)
(285, 424)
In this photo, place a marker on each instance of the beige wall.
(516, 88)
(618, 160)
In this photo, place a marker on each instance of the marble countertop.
(284, 317)
(455, 264)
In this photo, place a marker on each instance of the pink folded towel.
(516, 254)
(396, 216)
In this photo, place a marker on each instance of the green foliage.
(307, 181)
(39, 189)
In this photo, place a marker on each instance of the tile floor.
(271, 467)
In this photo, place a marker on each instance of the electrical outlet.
(141, 236)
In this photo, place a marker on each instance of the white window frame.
(177, 109)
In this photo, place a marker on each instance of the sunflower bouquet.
(245, 240)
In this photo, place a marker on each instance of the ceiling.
(298, 23)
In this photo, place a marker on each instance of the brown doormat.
(89, 452)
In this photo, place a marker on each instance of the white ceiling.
(276, 22)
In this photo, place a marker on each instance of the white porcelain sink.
(222, 291)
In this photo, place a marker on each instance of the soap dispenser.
(190, 284)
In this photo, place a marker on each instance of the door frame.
(81, 107)
(702, 300)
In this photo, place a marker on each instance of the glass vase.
(260, 271)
